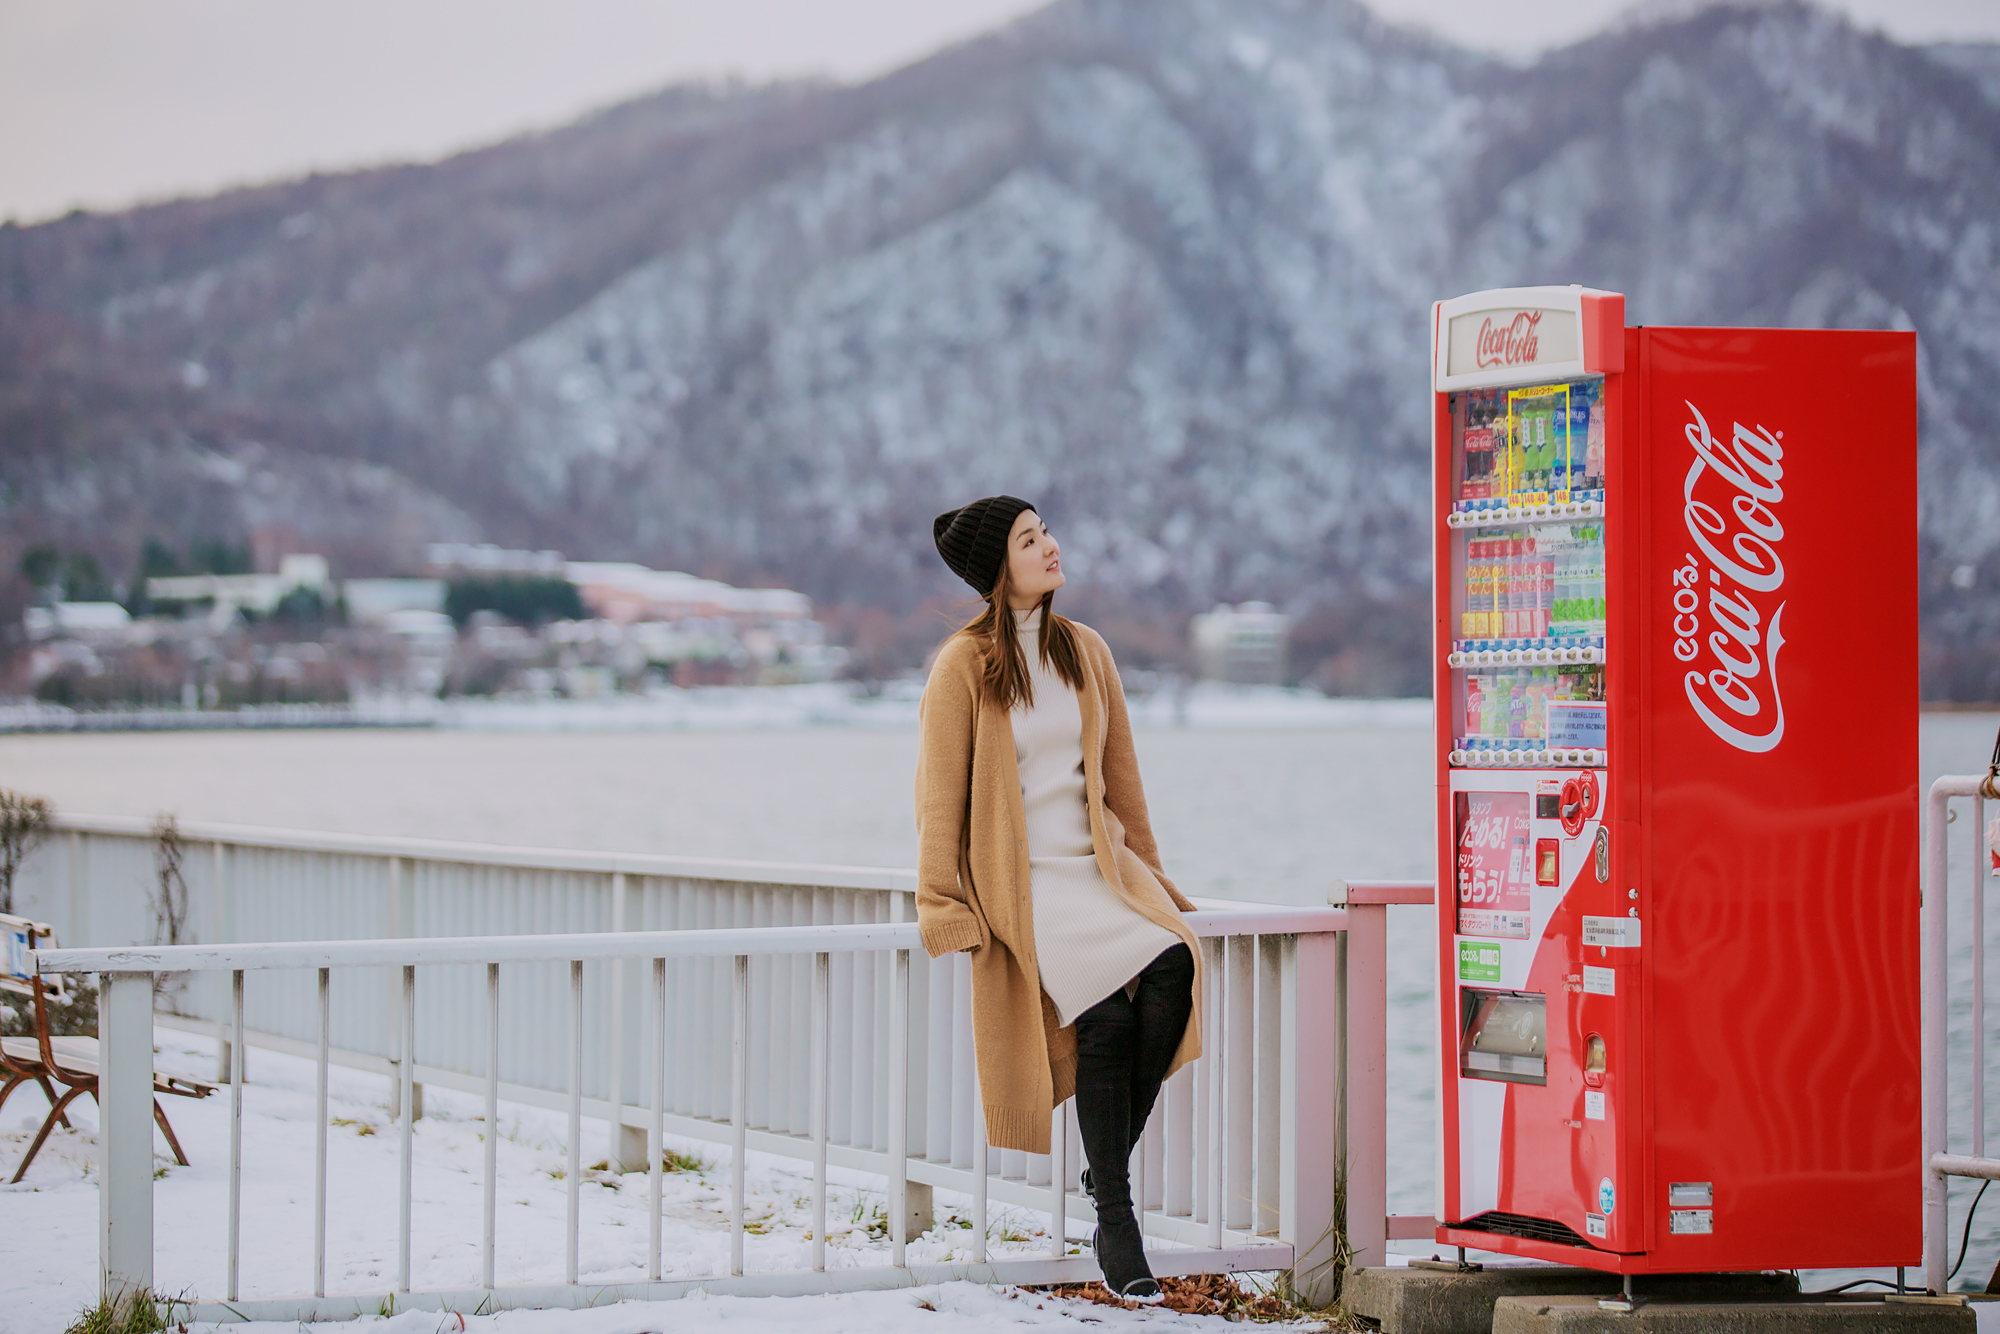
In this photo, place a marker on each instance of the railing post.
(1937, 864)
(125, 1135)
(222, 904)
(1308, 1111)
(628, 1142)
(79, 890)
(406, 1105)
(899, 1108)
(1239, 1092)
(392, 929)
(739, 1104)
(1365, 1006)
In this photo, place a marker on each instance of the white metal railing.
(95, 882)
(1941, 1164)
(1239, 1168)
(257, 884)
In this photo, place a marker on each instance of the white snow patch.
(45, 1284)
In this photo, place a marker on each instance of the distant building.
(627, 593)
(705, 631)
(1246, 644)
(78, 620)
(231, 593)
(695, 631)
(463, 560)
(373, 601)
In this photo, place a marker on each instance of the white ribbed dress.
(1088, 941)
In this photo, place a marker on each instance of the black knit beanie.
(973, 538)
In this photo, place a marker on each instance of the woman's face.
(1034, 562)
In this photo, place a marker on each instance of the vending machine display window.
(1505, 1036)
(1528, 589)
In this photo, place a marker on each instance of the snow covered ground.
(949, 1308)
(48, 1223)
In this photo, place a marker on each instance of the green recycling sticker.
(1478, 963)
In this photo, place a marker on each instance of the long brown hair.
(1005, 679)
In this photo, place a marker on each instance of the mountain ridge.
(1164, 267)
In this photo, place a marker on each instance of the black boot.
(1121, 1258)
(1106, 1038)
(1124, 1045)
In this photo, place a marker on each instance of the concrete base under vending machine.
(1582, 1315)
(1443, 1301)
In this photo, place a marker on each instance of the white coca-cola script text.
(1738, 579)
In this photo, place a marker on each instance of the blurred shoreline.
(892, 705)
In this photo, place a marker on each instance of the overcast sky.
(104, 103)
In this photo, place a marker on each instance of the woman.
(1036, 855)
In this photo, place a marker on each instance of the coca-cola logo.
(1729, 503)
(1514, 343)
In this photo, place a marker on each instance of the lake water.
(1277, 813)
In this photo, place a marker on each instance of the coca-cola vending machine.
(1676, 675)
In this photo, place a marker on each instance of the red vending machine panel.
(1677, 788)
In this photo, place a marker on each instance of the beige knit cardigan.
(972, 875)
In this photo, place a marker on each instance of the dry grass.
(138, 1312)
(1196, 1294)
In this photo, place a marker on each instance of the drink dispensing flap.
(1504, 1035)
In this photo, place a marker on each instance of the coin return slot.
(1691, 1195)
(1504, 1036)
(1548, 862)
(1593, 1061)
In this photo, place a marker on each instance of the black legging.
(1123, 1049)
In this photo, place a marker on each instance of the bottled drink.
(1506, 451)
(1565, 599)
(1496, 586)
(1474, 625)
(1479, 456)
(1517, 601)
(1545, 581)
(1578, 441)
(1534, 448)
(1479, 587)
(1596, 613)
(1556, 424)
(1593, 456)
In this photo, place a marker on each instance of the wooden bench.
(47, 1060)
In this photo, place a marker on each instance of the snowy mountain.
(1163, 265)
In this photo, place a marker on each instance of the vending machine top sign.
(1511, 334)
